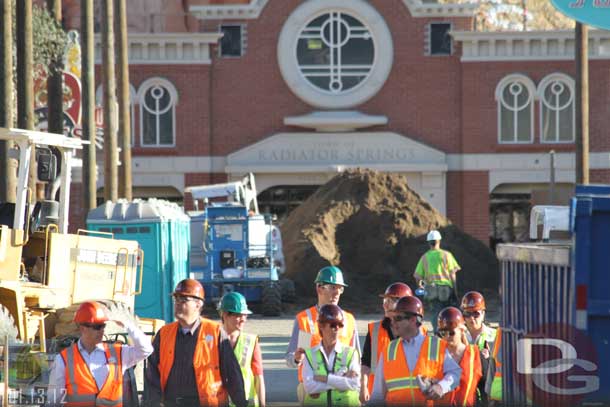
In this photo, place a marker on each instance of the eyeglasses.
(446, 333)
(184, 298)
(97, 327)
(390, 300)
(334, 325)
(398, 318)
(474, 314)
(332, 287)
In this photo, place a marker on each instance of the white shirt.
(452, 371)
(96, 361)
(334, 381)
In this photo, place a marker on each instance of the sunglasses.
(446, 333)
(474, 314)
(97, 327)
(399, 318)
(335, 325)
(183, 299)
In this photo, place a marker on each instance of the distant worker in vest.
(415, 368)
(488, 339)
(451, 329)
(234, 313)
(90, 372)
(436, 272)
(378, 336)
(331, 371)
(305, 334)
(193, 363)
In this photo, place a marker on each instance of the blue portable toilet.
(163, 231)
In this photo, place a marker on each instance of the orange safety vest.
(206, 361)
(401, 383)
(379, 342)
(81, 388)
(307, 323)
(465, 395)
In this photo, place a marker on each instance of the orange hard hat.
(411, 305)
(473, 301)
(190, 288)
(330, 313)
(91, 312)
(449, 318)
(397, 290)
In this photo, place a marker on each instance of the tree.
(517, 15)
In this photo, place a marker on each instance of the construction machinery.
(44, 270)
(235, 248)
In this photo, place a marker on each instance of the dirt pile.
(373, 226)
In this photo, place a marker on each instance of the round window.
(335, 53)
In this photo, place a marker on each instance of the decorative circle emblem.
(335, 53)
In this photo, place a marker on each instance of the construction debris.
(373, 226)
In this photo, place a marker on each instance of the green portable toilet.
(163, 231)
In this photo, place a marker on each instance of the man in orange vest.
(90, 372)
(414, 368)
(378, 336)
(305, 334)
(193, 363)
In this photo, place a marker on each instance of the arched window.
(556, 94)
(99, 101)
(515, 96)
(157, 98)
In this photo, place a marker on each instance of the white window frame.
(133, 101)
(144, 87)
(529, 85)
(382, 60)
(242, 40)
(544, 83)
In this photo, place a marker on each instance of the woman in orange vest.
(451, 328)
(378, 336)
(90, 372)
(193, 362)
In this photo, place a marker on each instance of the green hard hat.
(234, 302)
(330, 275)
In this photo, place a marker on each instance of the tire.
(271, 300)
(7, 325)
(289, 294)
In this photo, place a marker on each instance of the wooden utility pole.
(582, 103)
(111, 191)
(88, 81)
(8, 174)
(125, 183)
(25, 80)
(55, 81)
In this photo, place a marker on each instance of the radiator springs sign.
(591, 12)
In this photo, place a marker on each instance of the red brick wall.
(468, 202)
(599, 176)
(77, 212)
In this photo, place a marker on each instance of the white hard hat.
(433, 235)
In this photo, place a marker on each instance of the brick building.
(296, 91)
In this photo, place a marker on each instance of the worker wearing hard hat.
(436, 271)
(234, 312)
(488, 339)
(90, 371)
(193, 362)
(414, 368)
(378, 336)
(331, 370)
(305, 334)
